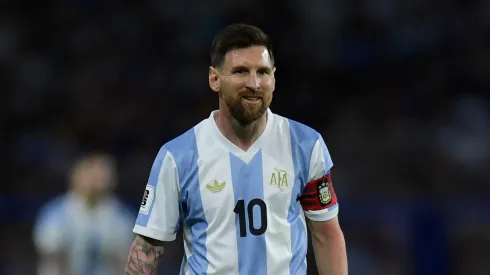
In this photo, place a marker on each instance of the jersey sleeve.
(318, 199)
(48, 233)
(159, 213)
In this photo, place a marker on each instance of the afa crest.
(324, 192)
(279, 179)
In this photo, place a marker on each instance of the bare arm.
(144, 256)
(329, 247)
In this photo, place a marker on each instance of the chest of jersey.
(239, 209)
(252, 191)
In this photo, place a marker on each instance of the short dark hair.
(237, 36)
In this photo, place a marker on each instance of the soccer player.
(243, 183)
(85, 231)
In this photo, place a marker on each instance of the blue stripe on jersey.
(186, 156)
(142, 219)
(247, 186)
(303, 140)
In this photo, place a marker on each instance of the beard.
(243, 112)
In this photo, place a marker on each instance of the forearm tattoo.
(143, 257)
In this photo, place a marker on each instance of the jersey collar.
(235, 149)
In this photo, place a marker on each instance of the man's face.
(245, 83)
(93, 177)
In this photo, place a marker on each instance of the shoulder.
(182, 150)
(299, 132)
(49, 228)
(185, 144)
(180, 145)
(52, 211)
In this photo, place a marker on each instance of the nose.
(253, 81)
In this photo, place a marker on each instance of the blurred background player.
(86, 230)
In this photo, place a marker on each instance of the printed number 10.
(240, 211)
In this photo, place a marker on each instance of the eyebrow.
(262, 68)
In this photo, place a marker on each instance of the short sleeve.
(159, 213)
(48, 229)
(318, 199)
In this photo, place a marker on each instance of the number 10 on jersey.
(243, 211)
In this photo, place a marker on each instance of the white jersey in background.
(90, 240)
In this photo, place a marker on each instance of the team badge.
(318, 194)
(324, 192)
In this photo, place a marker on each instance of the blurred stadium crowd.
(399, 89)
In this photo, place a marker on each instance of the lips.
(251, 98)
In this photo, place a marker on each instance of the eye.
(240, 71)
(264, 72)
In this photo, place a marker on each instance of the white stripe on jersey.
(277, 196)
(221, 239)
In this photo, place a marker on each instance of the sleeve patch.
(323, 192)
(147, 199)
(318, 194)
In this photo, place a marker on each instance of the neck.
(243, 136)
(90, 201)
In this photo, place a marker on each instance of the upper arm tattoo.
(144, 256)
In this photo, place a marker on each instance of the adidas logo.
(216, 187)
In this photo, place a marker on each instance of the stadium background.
(399, 89)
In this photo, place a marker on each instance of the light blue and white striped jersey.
(240, 210)
(92, 240)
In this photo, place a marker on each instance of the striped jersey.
(242, 212)
(91, 240)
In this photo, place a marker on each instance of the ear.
(273, 79)
(214, 79)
